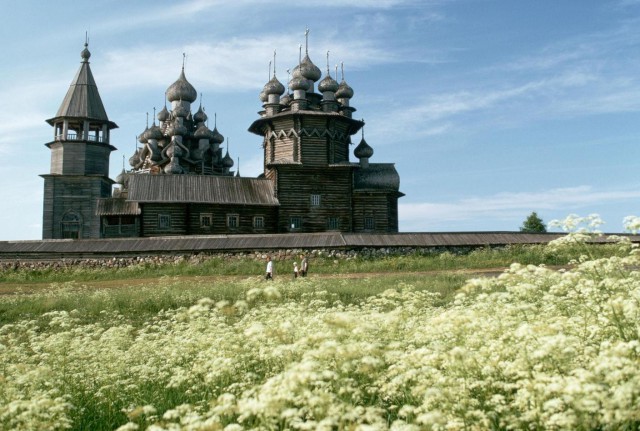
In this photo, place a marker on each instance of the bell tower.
(80, 151)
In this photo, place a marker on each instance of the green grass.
(136, 303)
(476, 259)
(138, 292)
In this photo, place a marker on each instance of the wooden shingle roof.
(116, 206)
(53, 249)
(201, 189)
(83, 99)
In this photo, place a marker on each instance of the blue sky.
(490, 109)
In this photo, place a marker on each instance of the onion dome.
(85, 54)
(309, 70)
(173, 167)
(227, 161)
(121, 177)
(179, 130)
(163, 115)
(285, 100)
(181, 111)
(181, 90)
(263, 97)
(135, 159)
(344, 91)
(200, 116)
(273, 87)
(143, 136)
(217, 137)
(363, 150)
(298, 83)
(154, 132)
(328, 84)
(203, 132)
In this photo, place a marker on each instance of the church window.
(71, 225)
(164, 221)
(333, 223)
(233, 221)
(258, 222)
(295, 222)
(206, 220)
(369, 223)
(315, 200)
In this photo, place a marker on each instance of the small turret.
(363, 151)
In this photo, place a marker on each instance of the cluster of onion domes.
(181, 142)
(334, 96)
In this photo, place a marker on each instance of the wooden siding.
(219, 215)
(54, 249)
(150, 217)
(295, 186)
(72, 193)
(375, 205)
(80, 158)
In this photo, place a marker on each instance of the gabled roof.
(201, 189)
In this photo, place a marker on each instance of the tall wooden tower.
(306, 139)
(80, 152)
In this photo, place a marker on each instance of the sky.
(490, 109)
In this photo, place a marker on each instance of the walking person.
(269, 273)
(295, 269)
(304, 266)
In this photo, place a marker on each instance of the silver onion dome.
(200, 116)
(154, 132)
(163, 115)
(180, 111)
(363, 150)
(217, 137)
(203, 132)
(309, 70)
(285, 100)
(85, 54)
(328, 84)
(344, 91)
(298, 83)
(227, 161)
(273, 87)
(181, 90)
(142, 138)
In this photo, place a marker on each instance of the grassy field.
(404, 343)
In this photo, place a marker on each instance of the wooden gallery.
(180, 183)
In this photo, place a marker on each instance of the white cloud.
(234, 64)
(508, 205)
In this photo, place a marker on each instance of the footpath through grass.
(135, 293)
(481, 258)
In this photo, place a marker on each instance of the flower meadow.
(534, 348)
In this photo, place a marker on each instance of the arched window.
(71, 225)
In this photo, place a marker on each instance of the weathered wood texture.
(65, 195)
(55, 249)
(162, 219)
(295, 187)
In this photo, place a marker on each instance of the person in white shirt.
(295, 269)
(269, 274)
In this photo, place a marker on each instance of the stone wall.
(196, 258)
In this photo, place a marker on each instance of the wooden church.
(180, 183)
